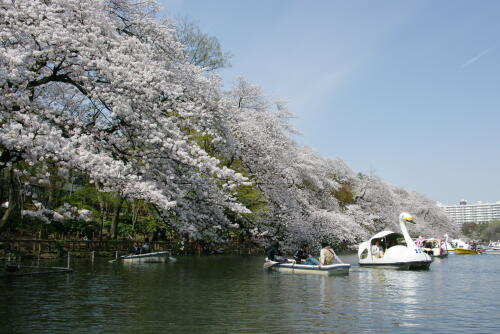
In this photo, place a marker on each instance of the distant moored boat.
(155, 257)
(433, 246)
(463, 251)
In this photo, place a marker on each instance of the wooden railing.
(34, 246)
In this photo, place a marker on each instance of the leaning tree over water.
(101, 88)
(101, 95)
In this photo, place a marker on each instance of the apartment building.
(473, 213)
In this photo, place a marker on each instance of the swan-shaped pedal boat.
(449, 247)
(392, 249)
(435, 247)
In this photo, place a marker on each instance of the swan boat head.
(406, 218)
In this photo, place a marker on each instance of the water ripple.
(234, 295)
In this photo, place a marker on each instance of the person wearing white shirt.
(377, 250)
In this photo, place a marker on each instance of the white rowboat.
(296, 268)
(155, 257)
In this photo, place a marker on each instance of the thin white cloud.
(319, 87)
(476, 57)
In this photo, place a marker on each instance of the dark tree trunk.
(103, 215)
(115, 218)
(13, 210)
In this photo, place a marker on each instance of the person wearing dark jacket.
(135, 249)
(304, 257)
(273, 253)
(146, 247)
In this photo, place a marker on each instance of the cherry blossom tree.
(101, 87)
(310, 197)
(200, 48)
(102, 90)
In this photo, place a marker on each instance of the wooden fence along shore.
(13, 251)
(55, 248)
(34, 247)
(15, 268)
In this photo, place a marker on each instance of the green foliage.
(148, 224)
(201, 49)
(252, 198)
(75, 227)
(308, 184)
(344, 195)
(128, 230)
(86, 198)
(205, 142)
(59, 245)
(482, 231)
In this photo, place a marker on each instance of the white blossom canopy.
(101, 87)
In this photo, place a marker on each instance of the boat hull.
(330, 270)
(399, 257)
(441, 256)
(414, 265)
(462, 251)
(156, 257)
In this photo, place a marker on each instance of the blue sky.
(407, 90)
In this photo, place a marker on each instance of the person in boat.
(135, 249)
(326, 255)
(273, 253)
(146, 247)
(389, 243)
(304, 257)
(159, 234)
(377, 250)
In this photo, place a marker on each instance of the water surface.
(232, 294)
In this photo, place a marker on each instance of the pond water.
(233, 294)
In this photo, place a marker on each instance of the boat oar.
(115, 259)
(269, 264)
(336, 257)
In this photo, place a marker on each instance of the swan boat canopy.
(459, 243)
(392, 249)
